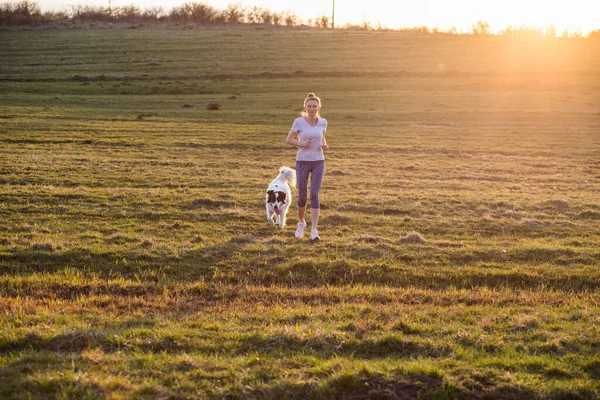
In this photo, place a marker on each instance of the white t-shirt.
(315, 133)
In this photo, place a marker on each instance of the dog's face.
(276, 199)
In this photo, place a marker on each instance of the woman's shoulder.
(322, 121)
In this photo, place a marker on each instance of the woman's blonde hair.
(309, 97)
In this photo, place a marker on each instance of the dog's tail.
(289, 175)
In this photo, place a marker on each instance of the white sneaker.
(300, 230)
(314, 235)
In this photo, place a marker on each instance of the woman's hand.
(325, 147)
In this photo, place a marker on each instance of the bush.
(87, 13)
(322, 21)
(234, 14)
(482, 28)
(24, 12)
(198, 13)
(291, 19)
(594, 34)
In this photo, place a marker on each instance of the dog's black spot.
(272, 197)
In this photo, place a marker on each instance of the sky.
(572, 15)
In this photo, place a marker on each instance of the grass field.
(135, 261)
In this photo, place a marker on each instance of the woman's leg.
(302, 170)
(302, 181)
(316, 179)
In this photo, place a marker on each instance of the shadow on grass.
(17, 381)
(371, 386)
(365, 385)
(117, 339)
(328, 345)
(220, 264)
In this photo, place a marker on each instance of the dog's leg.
(282, 217)
(270, 217)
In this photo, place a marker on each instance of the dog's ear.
(271, 195)
(281, 197)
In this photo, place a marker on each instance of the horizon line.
(549, 28)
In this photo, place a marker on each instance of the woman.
(310, 132)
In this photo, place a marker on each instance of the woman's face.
(312, 108)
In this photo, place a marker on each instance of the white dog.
(279, 196)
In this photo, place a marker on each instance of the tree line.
(27, 13)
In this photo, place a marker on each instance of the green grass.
(135, 261)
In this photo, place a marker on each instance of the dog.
(279, 196)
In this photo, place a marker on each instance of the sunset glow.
(574, 16)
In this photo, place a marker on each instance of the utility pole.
(333, 15)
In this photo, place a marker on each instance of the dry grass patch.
(446, 243)
(336, 219)
(147, 243)
(121, 238)
(44, 247)
(413, 238)
(524, 322)
(558, 204)
(197, 239)
(244, 239)
(370, 239)
(589, 215)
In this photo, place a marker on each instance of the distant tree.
(277, 18)
(523, 30)
(154, 14)
(322, 21)
(129, 13)
(594, 34)
(24, 12)
(380, 27)
(550, 31)
(88, 13)
(482, 28)
(54, 17)
(199, 13)
(349, 26)
(257, 15)
(266, 17)
(416, 29)
(253, 15)
(508, 31)
(234, 14)
(290, 19)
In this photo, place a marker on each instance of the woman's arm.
(324, 144)
(293, 142)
